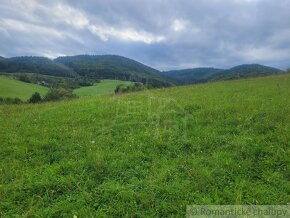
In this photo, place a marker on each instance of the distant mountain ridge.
(189, 76)
(244, 71)
(122, 68)
(200, 75)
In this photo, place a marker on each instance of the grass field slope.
(103, 88)
(14, 88)
(149, 153)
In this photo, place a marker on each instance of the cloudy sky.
(164, 34)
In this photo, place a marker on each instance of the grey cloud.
(164, 34)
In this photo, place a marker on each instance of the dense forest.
(189, 76)
(40, 65)
(113, 67)
(245, 71)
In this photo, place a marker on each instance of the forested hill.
(199, 75)
(245, 71)
(189, 76)
(3, 64)
(39, 65)
(113, 67)
(92, 66)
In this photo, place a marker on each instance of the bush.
(24, 78)
(85, 82)
(55, 94)
(129, 88)
(121, 88)
(35, 98)
(17, 101)
(10, 101)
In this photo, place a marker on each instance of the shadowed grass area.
(14, 88)
(103, 88)
(149, 153)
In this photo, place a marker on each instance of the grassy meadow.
(149, 153)
(105, 87)
(11, 88)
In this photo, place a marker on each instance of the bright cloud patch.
(127, 34)
(178, 25)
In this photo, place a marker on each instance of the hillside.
(200, 75)
(86, 66)
(245, 71)
(190, 76)
(11, 88)
(39, 65)
(2, 63)
(113, 67)
(148, 154)
(105, 87)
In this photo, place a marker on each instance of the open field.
(103, 88)
(149, 153)
(14, 88)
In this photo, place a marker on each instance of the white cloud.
(178, 25)
(51, 54)
(105, 32)
(70, 15)
(19, 26)
(79, 20)
(28, 28)
(60, 13)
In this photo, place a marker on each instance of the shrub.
(35, 98)
(85, 82)
(24, 78)
(17, 101)
(10, 100)
(121, 88)
(129, 88)
(55, 94)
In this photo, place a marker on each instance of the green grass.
(14, 88)
(147, 154)
(104, 88)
